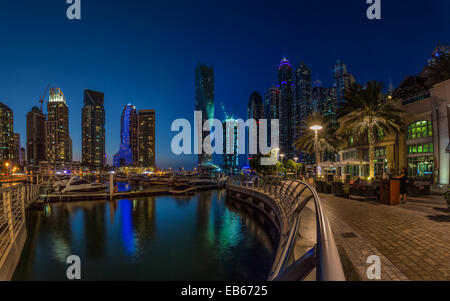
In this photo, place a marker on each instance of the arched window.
(420, 129)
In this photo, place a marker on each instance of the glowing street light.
(296, 159)
(316, 129)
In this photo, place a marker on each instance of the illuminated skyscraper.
(341, 80)
(230, 158)
(16, 149)
(255, 110)
(286, 108)
(93, 130)
(58, 141)
(146, 138)
(204, 102)
(302, 97)
(36, 150)
(6, 134)
(127, 155)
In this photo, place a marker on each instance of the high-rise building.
(58, 141)
(302, 97)
(22, 157)
(230, 159)
(341, 80)
(328, 106)
(6, 134)
(287, 108)
(146, 138)
(317, 96)
(204, 102)
(16, 149)
(255, 110)
(93, 130)
(36, 150)
(272, 103)
(127, 154)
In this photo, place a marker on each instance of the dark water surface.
(203, 237)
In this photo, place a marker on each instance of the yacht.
(77, 185)
(60, 183)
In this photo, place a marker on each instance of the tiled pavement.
(413, 244)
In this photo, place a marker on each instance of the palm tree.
(368, 112)
(327, 140)
(439, 70)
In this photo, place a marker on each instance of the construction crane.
(41, 98)
(227, 116)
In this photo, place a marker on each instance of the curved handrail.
(291, 199)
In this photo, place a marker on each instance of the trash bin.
(390, 192)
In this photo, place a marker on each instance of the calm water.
(203, 237)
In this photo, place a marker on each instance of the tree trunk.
(371, 154)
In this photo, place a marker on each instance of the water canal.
(202, 237)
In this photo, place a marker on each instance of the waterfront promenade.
(412, 240)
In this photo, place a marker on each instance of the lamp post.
(282, 156)
(316, 129)
(296, 159)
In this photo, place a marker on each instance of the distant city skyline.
(146, 54)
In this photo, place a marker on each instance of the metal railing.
(13, 201)
(292, 197)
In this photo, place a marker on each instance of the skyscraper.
(204, 102)
(127, 154)
(318, 96)
(36, 150)
(328, 106)
(58, 141)
(341, 80)
(302, 97)
(6, 133)
(230, 156)
(255, 110)
(287, 108)
(146, 138)
(93, 130)
(272, 103)
(16, 149)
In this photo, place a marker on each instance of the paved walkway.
(412, 240)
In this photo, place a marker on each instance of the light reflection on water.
(202, 237)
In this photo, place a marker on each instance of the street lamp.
(282, 156)
(296, 159)
(316, 129)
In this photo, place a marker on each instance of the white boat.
(60, 183)
(77, 185)
(158, 181)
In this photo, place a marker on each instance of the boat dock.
(88, 196)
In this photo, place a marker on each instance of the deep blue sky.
(145, 52)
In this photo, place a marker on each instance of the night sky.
(145, 52)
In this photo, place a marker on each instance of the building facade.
(204, 102)
(36, 150)
(302, 98)
(230, 158)
(128, 151)
(146, 138)
(341, 80)
(6, 134)
(286, 108)
(422, 146)
(58, 141)
(255, 110)
(93, 130)
(16, 150)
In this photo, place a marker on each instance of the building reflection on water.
(202, 237)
